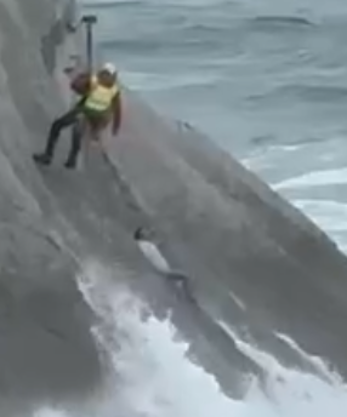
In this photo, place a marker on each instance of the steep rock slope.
(46, 349)
(234, 235)
(216, 221)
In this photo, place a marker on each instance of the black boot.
(70, 163)
(42, 158)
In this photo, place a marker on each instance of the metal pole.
(89, 21)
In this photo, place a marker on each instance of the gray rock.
(228, 230)
(254, 262)
(46, 348)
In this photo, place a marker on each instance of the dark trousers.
(69, 119)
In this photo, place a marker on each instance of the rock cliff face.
(217, 222)
(234, 235)
(46, 349)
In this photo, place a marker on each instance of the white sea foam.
(154, 376)
(329, 215)
(146, 82)
(315, 179)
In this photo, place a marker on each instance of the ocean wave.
(175, 3)
(282, 21)
(161, 45)
(161, 377)
(315, 179)
(160, 82)
(308, 93)
(330, 215)
(104, 4)
(133, 45)
(223, 24)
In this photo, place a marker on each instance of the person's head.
(140, 234)
(108, 74)
(144, 233)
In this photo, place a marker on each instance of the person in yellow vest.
(99, 104)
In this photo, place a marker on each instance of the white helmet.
(109, 67)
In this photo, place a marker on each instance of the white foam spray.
(154, 377)
(315, 179)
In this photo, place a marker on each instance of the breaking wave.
(154, 376)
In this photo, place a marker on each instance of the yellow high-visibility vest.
(100, 97)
